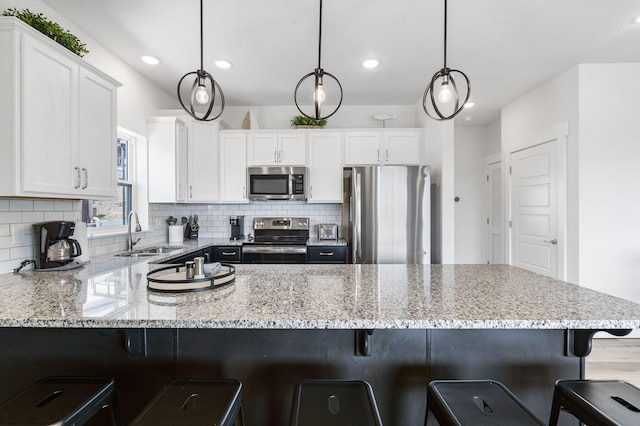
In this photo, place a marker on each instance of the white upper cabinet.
(168, 159)
(379, 147)
(203, 163)
(362, 147)
(233, 167)
(325, 167)
(57, 119)
(276, 149)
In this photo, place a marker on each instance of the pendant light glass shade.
(444, 84)
(319, 91)
(203, 92)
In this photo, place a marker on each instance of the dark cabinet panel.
(327, 254)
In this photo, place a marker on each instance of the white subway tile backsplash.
(32, 217)
(10, 217)
(21, 205)
(53, 216)
(213, 219)
(43, 205)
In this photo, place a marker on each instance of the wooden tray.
(176, 281)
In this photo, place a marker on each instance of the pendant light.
(202, 93)
(448, 89)
(319, 74)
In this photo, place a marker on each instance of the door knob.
(554, 241)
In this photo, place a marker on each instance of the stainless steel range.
(277, 240)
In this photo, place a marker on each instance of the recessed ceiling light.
(469, 118)
(636, 20)
(151, 60)
(370, 63)
(469, 104)
(221, 63)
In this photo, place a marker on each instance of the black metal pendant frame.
(202, 78)
(318, 75)
(446, 75)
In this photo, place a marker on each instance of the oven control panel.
(284, 223)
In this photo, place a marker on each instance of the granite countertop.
(111, 292)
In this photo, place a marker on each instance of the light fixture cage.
(434, 108)
(319, 83)
(201, 108)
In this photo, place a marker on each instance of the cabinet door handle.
(378, 155)
(326, 253)
(275, 157)
(244, 192)
(279, 156)
(387, 154)
(86, 178)
(78, 177)
(190, 191)
(228, 253)
(310, 191)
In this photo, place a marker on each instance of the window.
(113, 213)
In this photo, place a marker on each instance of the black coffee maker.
(53, 250)
(237, 226)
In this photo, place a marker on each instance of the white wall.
(493, 138)
(348, 116)
(470, 214)
(609, 175)
(439, 154)
(545, 107)
(599, 101)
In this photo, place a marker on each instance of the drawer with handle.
(326, 254)
(231, 254)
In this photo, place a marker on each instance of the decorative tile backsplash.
(17, 215)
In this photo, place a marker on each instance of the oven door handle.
(275, 249)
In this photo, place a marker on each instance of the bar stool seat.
(335, 403)
(61, 401)
(476, 403)
(597, 402)
(195, 402)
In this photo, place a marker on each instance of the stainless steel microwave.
(277, 183)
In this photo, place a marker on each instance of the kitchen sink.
(149, 251)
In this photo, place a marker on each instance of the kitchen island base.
(270, 362)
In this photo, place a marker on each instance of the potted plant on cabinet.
(302, 122)
(49, 28)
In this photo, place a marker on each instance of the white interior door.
(495, 213)
(534, 208)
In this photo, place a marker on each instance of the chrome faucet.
(130, 242)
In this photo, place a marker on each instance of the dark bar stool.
(597, 402)
(476, 403)
(61, 401)
(195, 402)
(335, 403)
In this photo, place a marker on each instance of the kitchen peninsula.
(277, 324)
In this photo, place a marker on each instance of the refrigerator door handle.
(358, 215)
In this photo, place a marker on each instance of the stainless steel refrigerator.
(386, 214)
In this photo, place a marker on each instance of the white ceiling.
(506, 47)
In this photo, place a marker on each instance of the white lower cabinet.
(325, 167)
(233, 167)
(58, 120)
